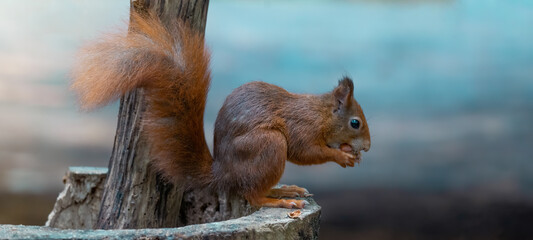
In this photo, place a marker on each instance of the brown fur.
(258, 128)
(173, 65)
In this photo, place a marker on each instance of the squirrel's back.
(264, 105)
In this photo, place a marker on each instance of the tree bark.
(136, 196)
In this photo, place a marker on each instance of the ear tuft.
(344, 91)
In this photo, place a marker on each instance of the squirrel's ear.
(344, 92)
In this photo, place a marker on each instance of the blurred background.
(446, 85)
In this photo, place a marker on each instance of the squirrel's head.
(348, 129)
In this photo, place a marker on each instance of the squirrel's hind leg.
(259, 166)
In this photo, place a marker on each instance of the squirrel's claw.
(299, 204)
(346, 159)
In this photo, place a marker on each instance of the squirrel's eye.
(355, 123)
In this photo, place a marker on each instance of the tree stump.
(82, 188)
(136, 196)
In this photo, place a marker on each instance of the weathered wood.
(267, 223)
(78, 203)
(77, 206)
(204, 206)
(135, 196)
(83, 189)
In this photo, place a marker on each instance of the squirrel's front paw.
(346, 159)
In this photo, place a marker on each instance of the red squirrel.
(259, 127)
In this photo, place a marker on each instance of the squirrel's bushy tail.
(172, 65)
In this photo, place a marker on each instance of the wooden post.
(135, 196)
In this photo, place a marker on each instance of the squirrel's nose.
(366, 145)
